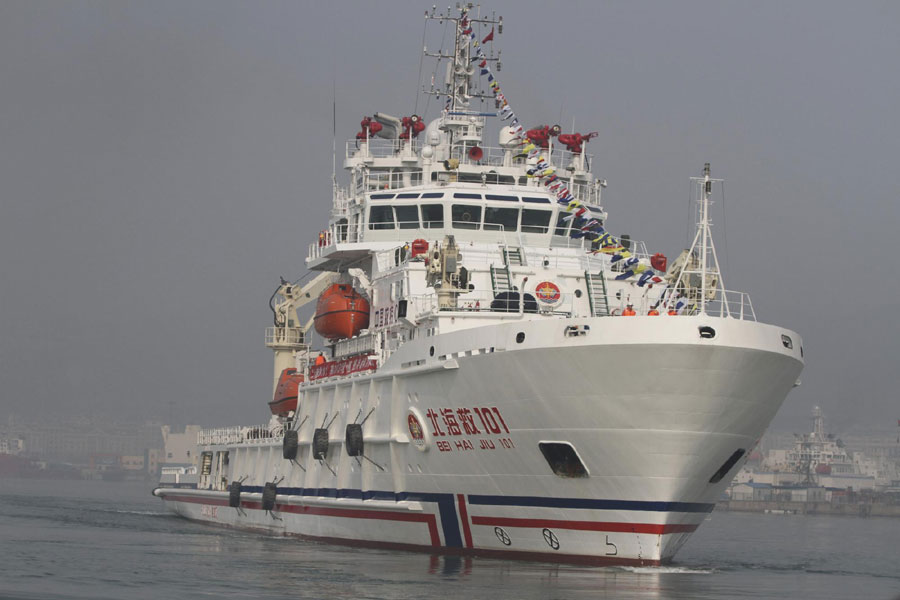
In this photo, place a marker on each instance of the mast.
(704, 225)
(464, 125)
(702, 260)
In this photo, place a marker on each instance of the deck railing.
(260, 434)
(284, 336)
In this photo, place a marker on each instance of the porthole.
(520, 337)
(578, 293)
(707, 332)
(787, 342)
(431, 351)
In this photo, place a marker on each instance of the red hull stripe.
(464, 516)
(198, 500)
(349, 513)
(652, 528)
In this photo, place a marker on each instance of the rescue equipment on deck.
(341, 312)
(659, 262)
(290, 444)
(268, 495)
(285, 399)
(540, 136)
(354, 439)
(234, 494)
(412, 126)
(369, 128)
(574, 141)
(320, 444)
(509, 302)
(419, 247)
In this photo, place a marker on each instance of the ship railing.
(284, 336)
(406, 231)
(381, 148)
(490, 155)
(259, 434)
(428, 304)
(494, 156)
(393, 179)
(730, 303)
(336, 233)
(343, 198)
(562, 239)
(191, 470)
(589, 193)
(178, 476)
(362, 344)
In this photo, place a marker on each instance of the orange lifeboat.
(285, 399)
(341, 312)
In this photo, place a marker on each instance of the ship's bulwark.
(651, 421)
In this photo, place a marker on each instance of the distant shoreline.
(811, 508)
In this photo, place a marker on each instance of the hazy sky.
(163, 163)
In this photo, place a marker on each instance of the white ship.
(596, 420)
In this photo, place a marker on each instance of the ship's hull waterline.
(452, 457)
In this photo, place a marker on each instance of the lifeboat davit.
(341, 312)
(285, 399)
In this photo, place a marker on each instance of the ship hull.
(453, 458)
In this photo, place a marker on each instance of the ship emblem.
(415, 430)
(548, 292)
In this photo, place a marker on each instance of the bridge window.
(537, 200)
(535, 221)
(381, 217)
(504, 198)
(501, 219)
(406, 196)
(433, 195)
(466, 216)
(407, 217)
(562, 226)
(381, 196)
(468, 196)
(433, 216)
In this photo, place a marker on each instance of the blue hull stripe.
(591, 503)
(530, 501)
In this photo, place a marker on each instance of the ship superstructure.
(499, 375)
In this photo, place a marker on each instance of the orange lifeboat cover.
(285, 399)
(341, 312)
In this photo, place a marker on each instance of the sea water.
(87, 539)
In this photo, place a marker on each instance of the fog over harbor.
(162, 164)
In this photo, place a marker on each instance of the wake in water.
(667, 570)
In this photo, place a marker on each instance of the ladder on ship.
(206, 464)
(501, 280)
(513, 256)
(596, 289)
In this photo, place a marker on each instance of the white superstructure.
(526, 385)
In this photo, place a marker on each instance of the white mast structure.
(702, 260)
(463, 124)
